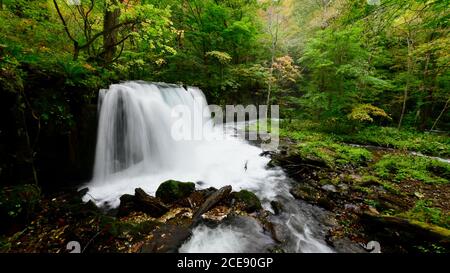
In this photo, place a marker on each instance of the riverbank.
(142, 223)
(352, 194)
(393, 196)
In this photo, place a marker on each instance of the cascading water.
(136, 148)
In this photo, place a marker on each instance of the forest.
(363, 88)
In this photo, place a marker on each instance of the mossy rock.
(172, 190)
(248, 200)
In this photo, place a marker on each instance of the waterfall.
(136, 147)
(134, 135)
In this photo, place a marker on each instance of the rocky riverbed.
(349, 210)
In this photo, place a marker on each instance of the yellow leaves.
(160, 61)
(217, 214)
(176, 212)
(44, 49)
(89, 67)
(366, 112)
(285, 69)
(221, 57)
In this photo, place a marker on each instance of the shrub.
(406, 167)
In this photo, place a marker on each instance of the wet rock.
(83, 192)
(345, 245)
(142, 202)
(311, 195)
(171, 190)
(277, 207)
(247, 200)
(326, 203)
(305, 192)
(329, 188)
(149, 204)
(90, 206)
(352, 208)
(126, 206)
(167, 239)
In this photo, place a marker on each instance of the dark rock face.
(127, 205)
(167, 239)
(248, 201)
(143, 202)
(277, 207)
(171, 190)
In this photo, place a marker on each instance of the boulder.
(127, 205)
(171, 190)
(149, 204)
(329, 188)
(248, 201)
(142, 202)
(306, 193)
(277, 207)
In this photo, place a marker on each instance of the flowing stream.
(136, 147)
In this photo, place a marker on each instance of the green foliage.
(407, 140)
(19, 201)
(406, 167)
(218, 48)
(424, 211)
(335, 154)
(340, 75)
(410, 140)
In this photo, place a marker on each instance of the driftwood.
(210, 202)
(170, 237)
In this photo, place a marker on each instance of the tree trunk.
(274, 36)
(406, 91)
(110, 20)
(440, 115)
(76, 51)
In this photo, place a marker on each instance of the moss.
(362, 189)
(400, 167)
(249, 201)
(374, 180)
(410, 140)
(335, 154)
(424, 212)
(171, 190)
(436, 229)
